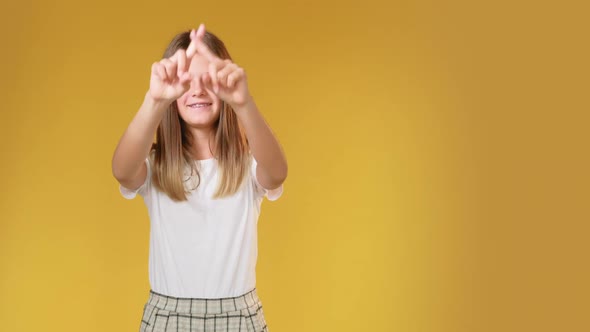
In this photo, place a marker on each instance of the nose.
(197, 88)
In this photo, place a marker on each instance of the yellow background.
(438, 158)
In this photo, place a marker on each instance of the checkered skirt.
(231, 314)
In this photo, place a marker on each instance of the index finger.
(192, 47)
(181, 60)
(198, 46)
(204, 50)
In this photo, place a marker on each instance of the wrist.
(156, 103)
(242, 107)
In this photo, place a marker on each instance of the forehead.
(198, 64)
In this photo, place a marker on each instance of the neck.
(203, 145)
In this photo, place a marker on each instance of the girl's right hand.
(170, 78)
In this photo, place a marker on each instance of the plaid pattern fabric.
(164, 313)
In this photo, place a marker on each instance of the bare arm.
(271, 171)
(128, 160)
(169, 80)
(229, 82)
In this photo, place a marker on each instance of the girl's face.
(199, 107)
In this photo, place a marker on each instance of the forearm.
(263, 144)
(135, 144)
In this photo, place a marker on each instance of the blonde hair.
(174, 140)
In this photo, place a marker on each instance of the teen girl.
(203, 182)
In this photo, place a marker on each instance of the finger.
(204, 50)
(161, 70)
(200, 45)
(170, 68)
(213, 69)
(181, 60)
(185, 77)
(192, 47)
(234, 77)
(225, 71)
(195, 37)
(200, 33)
(206, 81)
(174, 67)
(155, 70)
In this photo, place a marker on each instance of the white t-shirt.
(204, 247)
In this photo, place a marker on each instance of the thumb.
(185, 80)
(185, 77)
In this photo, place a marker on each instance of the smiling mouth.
(200, 105)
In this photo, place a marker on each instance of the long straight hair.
(174, 140)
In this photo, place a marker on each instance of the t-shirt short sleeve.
(143, 189)
(271, 194)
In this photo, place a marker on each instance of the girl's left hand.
(227, 80)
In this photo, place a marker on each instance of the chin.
(200, 125)
(199, 120)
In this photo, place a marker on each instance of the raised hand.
(226, 79)
(170, 77)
